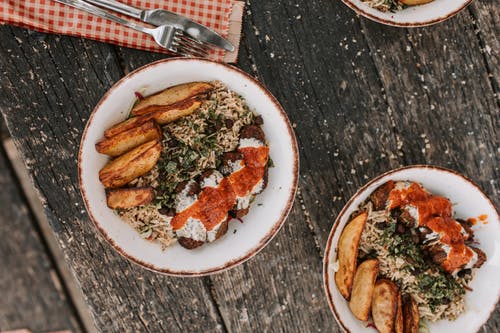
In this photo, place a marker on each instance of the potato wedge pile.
(367, 296)
(135, 144)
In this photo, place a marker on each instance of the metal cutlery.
(160, 17)
(167, 36)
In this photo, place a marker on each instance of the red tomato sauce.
(435, 213)
(214, 203)
(399, 198)
(459, 255)
(433, 206)
(472, 220)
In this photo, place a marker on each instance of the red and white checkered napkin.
(223, 16)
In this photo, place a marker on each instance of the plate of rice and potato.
(188, 167)
(417, 249)
(407, 13)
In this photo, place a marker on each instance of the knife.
(159, 17)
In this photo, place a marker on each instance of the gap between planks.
(63, 277)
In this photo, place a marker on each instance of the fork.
(167, 36)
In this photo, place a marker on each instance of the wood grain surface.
(364, 98)
(31, 293)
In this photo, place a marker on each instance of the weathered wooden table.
(363, 98)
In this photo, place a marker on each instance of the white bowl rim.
(414, 24)
(263, 241)
(328, 247)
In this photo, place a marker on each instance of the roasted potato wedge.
(347, 254)
(385, 305)
(162, 115)
(126, 125)
(398, 322)
(125, 141)
(362, 289)
(411, 316)
(170, 96)
(167, 114)
(415, 2)
(129, 197)
(131, 165)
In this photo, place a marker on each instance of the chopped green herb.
(442, 288)
(439, 286)
(200, 139)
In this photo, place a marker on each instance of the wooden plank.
(486, 21)
(46, 116)
(32, 296)
(4, 132)
(35, 206)
(443, 107)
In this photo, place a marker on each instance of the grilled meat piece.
(400, 229)
(406, 218)
(253, 132)
(238, 213)
(228, 123)
(381, 194)
(229, 161)
(464, 272)
(178, 189)
(423, 232)
(210, 178)
(481, 257)
(222, 229)
(258, 120)
(439, 257)
(467, 225)
(167, 211)
(437, 253)
(189, 243)
(265, 179)
(193, 188)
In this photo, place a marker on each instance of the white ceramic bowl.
(243, 240)
(469, 201)
(412, 16)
